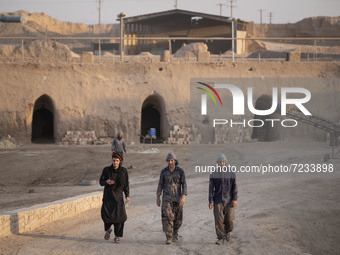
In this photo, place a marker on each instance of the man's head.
(221, 160)
(116, 159)
(172, 160)
(120, 135)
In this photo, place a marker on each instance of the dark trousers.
(224, 216)
(118, 228)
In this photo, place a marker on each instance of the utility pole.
(261, 11)
(220, 8)
(231, 6)
(99, 10)
(121, 16)
(270, 15)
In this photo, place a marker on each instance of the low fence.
(71, 49)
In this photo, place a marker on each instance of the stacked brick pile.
(79, 138)
(179, 135)
(236, 134)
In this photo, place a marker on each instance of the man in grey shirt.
(118, 145)
(173, 184)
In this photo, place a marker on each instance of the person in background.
(118, 144)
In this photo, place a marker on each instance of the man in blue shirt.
(223, 199)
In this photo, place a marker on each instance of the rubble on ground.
(38, 48)
(7, 142)
(191, 50)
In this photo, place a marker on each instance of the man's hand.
(182, 200)
(128, 200)
(233, 203)
(158, 201)
(211, 206)
(110, 182)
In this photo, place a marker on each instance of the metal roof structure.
(177, 14)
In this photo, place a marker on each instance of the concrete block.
(5, 224)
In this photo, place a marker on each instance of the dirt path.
(275, 215)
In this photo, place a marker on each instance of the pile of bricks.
(179, 135)
(195, 137)
(236, 134)
(79, 138)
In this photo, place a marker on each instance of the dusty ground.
(276, 214)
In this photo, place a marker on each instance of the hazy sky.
(86, 11)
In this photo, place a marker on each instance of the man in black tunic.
(115, 180)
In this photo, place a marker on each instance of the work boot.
(168, 241)
(175, 239)
(219, 241)
(175, 236)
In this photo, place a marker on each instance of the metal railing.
(314, 52)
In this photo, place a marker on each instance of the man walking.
(115, 180)
(223, 199)
(173, 184)
(118, 145)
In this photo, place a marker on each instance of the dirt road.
(274, 215)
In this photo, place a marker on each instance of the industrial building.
(184, 25)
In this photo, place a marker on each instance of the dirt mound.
(319, 26)
(18, 29)
(7, 142)
(146, 54)
(308, 27)
(255, 45)
(38, 48)
(7, 50)
(38, 23)
(191, 50)
(273, 46)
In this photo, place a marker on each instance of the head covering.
(221, 157)
(117, 155)
(172, 156)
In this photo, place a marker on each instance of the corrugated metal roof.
(166, 14)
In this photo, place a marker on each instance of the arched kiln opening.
(43, 120)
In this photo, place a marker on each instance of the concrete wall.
(108, 98)
(28, 219)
